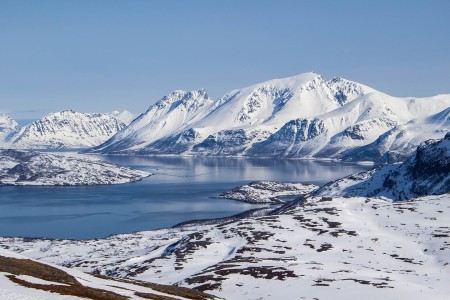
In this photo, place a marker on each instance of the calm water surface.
(181, 189)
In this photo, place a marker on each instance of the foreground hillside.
(344, 247)
(25, 279)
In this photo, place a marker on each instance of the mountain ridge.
(302, 116)
(253, 113)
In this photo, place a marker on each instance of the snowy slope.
(426, 172)
(67, 129)
(347, 248)
(400, 142)
(242, 116)
(274, 102)
(25, 279)
(8, 127)
(18, 167)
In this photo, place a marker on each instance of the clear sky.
(98, 56)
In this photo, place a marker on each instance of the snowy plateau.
(351, 238)
(303, 116)
(19, 167)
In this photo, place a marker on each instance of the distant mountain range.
(303, 116)
(66, 129)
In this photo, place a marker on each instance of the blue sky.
(91, 56)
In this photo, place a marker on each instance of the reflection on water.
(180, 190)
(212, 169)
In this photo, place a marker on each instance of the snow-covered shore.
(19, 167)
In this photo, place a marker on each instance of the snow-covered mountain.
(426, 172)
(351, 126)
(400, 142)
(67, 129)
(191, 122)
(172, 113)
(8, 128)
(299, 116)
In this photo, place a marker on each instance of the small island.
(262, 192)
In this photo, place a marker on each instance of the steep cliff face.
(297, 138)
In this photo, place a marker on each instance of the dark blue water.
(181, 190)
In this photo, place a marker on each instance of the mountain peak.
(180, 96)
(298, 79)
(66, 111)
(8, 127)
(124, 116)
